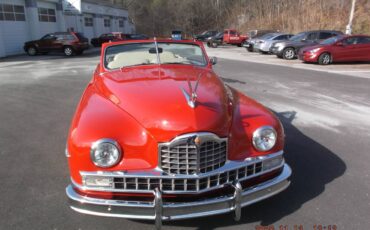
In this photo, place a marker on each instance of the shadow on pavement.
(313, 167)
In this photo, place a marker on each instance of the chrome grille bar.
(183, 156)
(183, 184)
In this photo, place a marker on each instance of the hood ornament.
(191, 96)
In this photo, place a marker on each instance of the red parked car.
(233, 37)
(69, 43)
(342, 48)
(157, 135)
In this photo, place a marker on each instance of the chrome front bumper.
(159, 210)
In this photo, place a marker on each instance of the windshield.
(298, 37)
(133, 54)
(268, 36)
(331, 40)
(219, 34)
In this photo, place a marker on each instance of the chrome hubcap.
(289, 54)
(31, 51)
(68, 51)
(326, 59)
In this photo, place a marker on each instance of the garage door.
(47, 18)
(88, 28)
(13, 25)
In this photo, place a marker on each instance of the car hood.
(153, 96)
(30, 42)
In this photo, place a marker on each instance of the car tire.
(32, 51)
(68, 51)
(289, 53)
(250, 48)
(214, 44)
(324, 59)
(239, 45)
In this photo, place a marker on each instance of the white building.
(25, 20)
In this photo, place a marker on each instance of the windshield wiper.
(180, 63)
(137, 65)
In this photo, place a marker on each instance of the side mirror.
(213, 60)
(303, 40)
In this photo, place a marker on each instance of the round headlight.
(105, 153)
(264, 138)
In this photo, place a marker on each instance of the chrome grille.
(181, 159)
(187, 184)
(212, 156)
(183, 156)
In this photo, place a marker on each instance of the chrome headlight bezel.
(256, 138)
(106, 141)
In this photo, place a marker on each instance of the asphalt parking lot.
(326, 115)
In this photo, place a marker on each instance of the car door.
(345, 50)
(226, 38)
(363, 48)
(45, 43)
(58, 43)
(234, 37)
(309, 40)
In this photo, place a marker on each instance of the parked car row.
(319, 46)
(73, 43)
(316, 46)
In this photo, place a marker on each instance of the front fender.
(97, 117)
(249, 115)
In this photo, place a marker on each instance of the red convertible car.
(342, 48)
(157, 135)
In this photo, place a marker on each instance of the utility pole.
(349, 26)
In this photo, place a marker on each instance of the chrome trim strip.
(175, 211)
(157, 174)
(66, 153)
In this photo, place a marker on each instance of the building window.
(47, 15)
(120, 23)
(89, 21)
(106, 22)
(12, 13)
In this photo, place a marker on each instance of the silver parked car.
(264, 43)
(250, 44)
